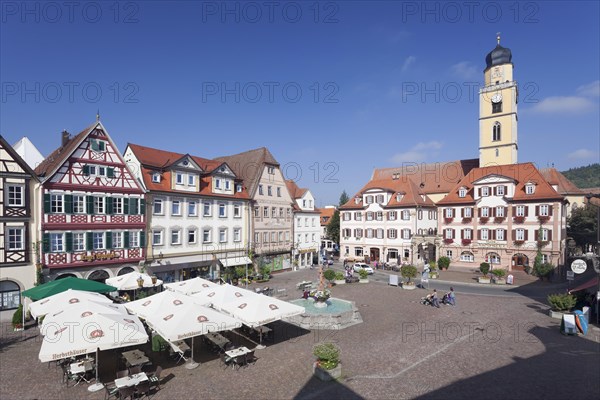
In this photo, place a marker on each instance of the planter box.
(339, 282)
(481, 279)
(363, 280)
(327, 374)
(557, 314)
(500, 281)
(412, 286)
(433, 276)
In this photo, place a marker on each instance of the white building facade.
(307, 228)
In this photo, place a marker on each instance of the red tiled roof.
(294, 190)
(325, 213)
(412, 195)
(565, 186)
(520, 173)
(59, 156)
(431, 178)
(162, 159)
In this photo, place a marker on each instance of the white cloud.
(563, 105)
(465, 70)
(410, 60)
(419, 152)
(581, 154)
(590, 89)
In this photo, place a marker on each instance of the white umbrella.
(148, 306)
(190, 286)
(70, 311)
(73, 334)
(219, 295)
(58, 301)
(260, 309)
(130, 281)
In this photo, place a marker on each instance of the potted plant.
(448, 241)
(443, 262)
(17, 319)
(408, 272)
(560, 304)
(484, 220)
(327, 367)
(339, 278)
(329, 275)
(499, 275)
(364, 276)
(518, 219)
(466, 242)
(484, 267)
(434, 273)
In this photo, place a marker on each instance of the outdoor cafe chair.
(224, 360)
(154, 378)
(251, 358)
(239, 361)
(143, 389)
(110, 390)
(135, 370)
(125, 392)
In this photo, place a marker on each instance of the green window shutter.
(110, 172)
(126, 239)
(101, 145)
(94, 144)
(109, 244)
(69, 241)
(142, 206)
(142, 239)
(89, 204)
(46, 243)
(86, 170)
(89, 241)
(125, 206)
(108, 202)
(47, 203)
(133, 206)
(69, 203)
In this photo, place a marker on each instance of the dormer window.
(399, 197)
(227, 185)
(217, 183)
(485, 191)
(156, 177)
(380, 199)
(462, 192)
(271, 170)
(395, 176)
(238, 188)
(179, 178)
(530, 188)
(191, 180)
(356, 200)
(500, 190)
(369, 199)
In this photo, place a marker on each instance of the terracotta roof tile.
(325, 214)
(519, 173)
(162, 159)
(431, 178)
(412, 196)
(294, 190)
(554, 177)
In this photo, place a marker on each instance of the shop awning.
(230, 262)
(591, 283)
(176, 263)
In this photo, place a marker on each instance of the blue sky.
(325, 86)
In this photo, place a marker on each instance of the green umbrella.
(60, 285)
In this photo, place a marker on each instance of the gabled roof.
(295, 191)
(249, 165)
(326, 214)
(9, 149)
(28, 152)
(431, 178)
(565, 186)
(162, 159)
(520, 173)
(61, 154)
(412, 196)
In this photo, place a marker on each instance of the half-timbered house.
(17, 227)
(93, 223)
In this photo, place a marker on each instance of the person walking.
(435, 301)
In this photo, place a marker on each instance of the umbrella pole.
(192, 364)
(97, 385)
(260, 345)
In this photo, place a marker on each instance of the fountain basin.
(338, 314)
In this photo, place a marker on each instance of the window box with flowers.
(518, 242)
(448, 241)
(484, 220)
(519, 220)
(543, 219)
(466, 242)
(466, 220)
(499, 220)
(448, 220)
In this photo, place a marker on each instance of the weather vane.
(498, 37)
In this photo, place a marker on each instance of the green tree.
(333, 227)
(344, 198)
(582, 225)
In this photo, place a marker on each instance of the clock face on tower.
(497, 98)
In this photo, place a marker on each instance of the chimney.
(65, 138)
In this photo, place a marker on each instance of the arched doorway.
(374, 253)
(10, 295)
(66, 276)
(520, 261)
(125, 270)
(99, 276)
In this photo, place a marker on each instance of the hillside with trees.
(584, 177)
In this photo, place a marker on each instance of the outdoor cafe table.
(135, 357)
(217, 339)
(240, 351)
(131, 380)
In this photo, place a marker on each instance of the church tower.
(498, 110)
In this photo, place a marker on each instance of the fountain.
(325, 312)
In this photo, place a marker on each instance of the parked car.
(359, 266)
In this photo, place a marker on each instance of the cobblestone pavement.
(485, 347)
